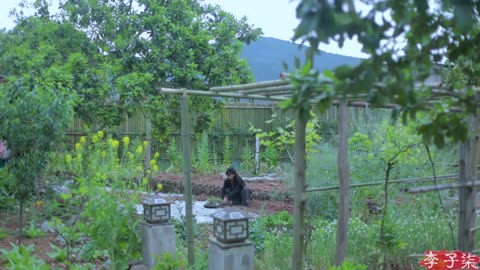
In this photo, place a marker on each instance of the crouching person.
(234, 190)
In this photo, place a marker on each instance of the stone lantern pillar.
(230, 247)
(158, 234)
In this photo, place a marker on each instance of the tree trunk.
(469, 151)
(298, 256)
(344, 178)
(188, 180)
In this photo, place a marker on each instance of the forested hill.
(266, 55)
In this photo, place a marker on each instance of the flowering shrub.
(105, 159)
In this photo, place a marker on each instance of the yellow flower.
(130, 155)
(100, 134)
(79, 157)
(38, 203)
(139, 150)
(94, 138)
(78, 146)
(68, 159)
(103, 154)
(153, 162)
(156, 155)
(103, 177)
(126, 140)
(115, 143)
(83, 140)
(144, 181)
(159, 187)
(145, 144)
(139, 168)
(155, 168)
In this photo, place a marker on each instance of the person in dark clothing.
(234, 190)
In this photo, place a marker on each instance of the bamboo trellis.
(281, 90)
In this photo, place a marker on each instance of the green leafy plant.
(69, 234)
(214, 199)
(248, 160)
(3, 233)
(227, 152)
(174, 157)
(347, 265)
(202, 157)
(21, 257)
(168, 262)
(112, 226)
(33, 232)
(58, 254)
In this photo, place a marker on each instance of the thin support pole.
(468, 161)
(298, 256)
(188, 180)
(344, 183)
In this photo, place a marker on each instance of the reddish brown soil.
(269, 196)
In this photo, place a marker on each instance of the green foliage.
(112, 226)
(346, 265)
(69, 234)
(168, 262)
(257, 235)
(58, 254)
(391, 72)
(174, 157)
(118, 54)
(21, 257)
(283, 139)
(35, 116)
(3, 233)
(248, 160)
(227, 152)
(202, 157)
(33, 231)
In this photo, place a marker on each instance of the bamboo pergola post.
(469, 151)
(298, 256)
(344, 184)
(188, 181)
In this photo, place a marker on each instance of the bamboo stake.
(441, 187)
(468, 161)
(188, 181)
(399, 181)
(344, 181)
(262, 90)
(248, 86)
(298, 255)
(217, 94)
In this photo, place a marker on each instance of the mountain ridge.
(267, 55)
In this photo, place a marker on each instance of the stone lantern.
(156, 210)
(230, 244)
(158, 234)
(230, 225)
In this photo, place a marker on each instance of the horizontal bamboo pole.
(415, 190)
(215, 94)
(398, 181)
(287, 87)
(249, 86)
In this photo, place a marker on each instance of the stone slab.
(238, 256)
(157, 239)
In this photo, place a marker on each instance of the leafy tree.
(126, 49)
(404, 41)
(35, 112)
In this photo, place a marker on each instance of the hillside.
(266, 55)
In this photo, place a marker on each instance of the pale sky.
(275, 17)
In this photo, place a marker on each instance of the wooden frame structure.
(281, 90)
